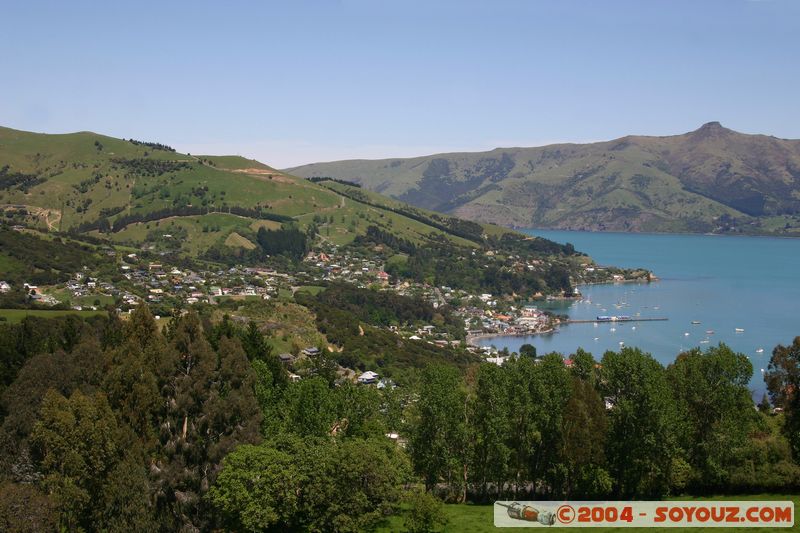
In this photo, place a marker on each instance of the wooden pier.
(595, 321)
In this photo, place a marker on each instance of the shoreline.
(654, 279)
(656, 233)
(470, 340)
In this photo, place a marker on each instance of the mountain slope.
(134, 192)
(709, 180)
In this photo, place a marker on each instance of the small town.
(149, 277)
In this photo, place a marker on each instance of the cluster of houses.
(348, 267)
(526, 320)
(159, 282)
(146, 280)
(152, 282)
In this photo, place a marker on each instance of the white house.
(369, 377)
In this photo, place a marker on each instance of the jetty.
(607, 321)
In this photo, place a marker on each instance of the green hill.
(709, 180)
(130, 191)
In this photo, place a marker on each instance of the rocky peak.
(710, 130)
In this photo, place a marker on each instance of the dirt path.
(51, 217)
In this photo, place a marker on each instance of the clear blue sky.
(300, 81)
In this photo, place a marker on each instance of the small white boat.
(739, 330)
(760, 350)
(597, 338)
(633, 328)
(612, 330)
(704, 341)
(695, 321)
(621, 343)
(709, 332)
(686, 334)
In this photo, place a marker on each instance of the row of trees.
(104, 224)
(111, 424)
(624, 428)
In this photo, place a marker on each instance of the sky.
(301, 81)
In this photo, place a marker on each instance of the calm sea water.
(724, 282)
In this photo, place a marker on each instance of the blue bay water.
(724, 282)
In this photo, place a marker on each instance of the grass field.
(65, 296)
(13, 316)
(313, 290)
(201, 231)
(479, 518)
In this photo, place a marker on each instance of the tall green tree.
(358, 410)
(310, 408)
(210, 407)
(527, 350)
(489, 427)
(641, 441)
(549, 392)
(783, 383)
(716, 411)
(308, 484)
(438, 434)
(257, 490)
(524, 430)
(584, 366)
(76, 444)
(584, 429)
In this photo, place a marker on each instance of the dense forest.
(111, 424)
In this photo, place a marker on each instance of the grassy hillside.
(709, 180)
(129, 191)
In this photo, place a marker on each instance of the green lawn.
(313, 290)
(14, 316)
(479, 518)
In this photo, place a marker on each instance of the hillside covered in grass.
(710, 180)
(130, 191)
